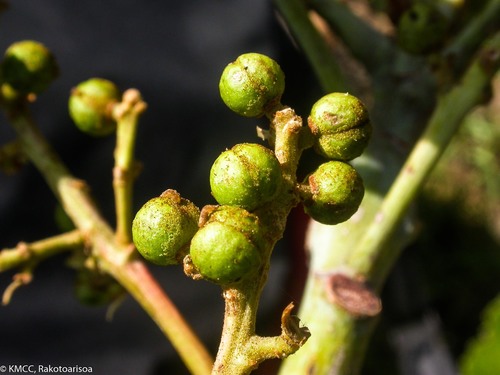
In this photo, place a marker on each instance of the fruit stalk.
(126, 115)
(113, 257)
(38, 250)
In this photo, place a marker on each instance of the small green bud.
(226, 249)
(90, 106)
(29, 67)
(248, 176)
(335, 191)
(96, 289)
(422, 28)
(340, 125)
(163, 227)
(252, 85)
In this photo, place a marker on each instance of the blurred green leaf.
(481, 356)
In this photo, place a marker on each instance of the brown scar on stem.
(352, 295)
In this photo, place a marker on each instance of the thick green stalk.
(464, 45)
(371, 257)
(366, 246)
(241, 304)
(315, 48)
(366, 44)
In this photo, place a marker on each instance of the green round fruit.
(252, 85)
(335, 191)
(226, 249)
(422, 28)
(240, 219)
(341, 126)
(96, 289)
(163, 228)
(29, 67)
(90, 106)
(248, 176)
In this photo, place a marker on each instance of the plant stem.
(371, 257)
(113, 257)
(137, 279)
(367, 245)
(473, 34)
(39, 250)
(366, 43)
(241, 350)
(315, 48)
(126, 115)
(19, 279)
(241, 305)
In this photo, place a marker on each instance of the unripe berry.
(421, 28)
(248, 176)
(90, 106)
(226, 249)
(340, 125)
(252, 85)
(29, 67)
(236, 217)
(163, 228)
(335, 191)
(95, 289)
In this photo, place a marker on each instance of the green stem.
(241, 304)
(371, 257)
(127, 115)
(360, 247)
(39, 250)
(113, 257)
(296, 15)
(290, 138)
(473, 34)
(366, 43)
(241, 350)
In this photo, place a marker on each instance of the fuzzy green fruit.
(90, 106)
(422, 28)
(252, 85)
(163, 228)
(248, 176)
(96, 289)
(238, 218)
(29, 67)
(340, 125)
(335, 191)
(226, 249)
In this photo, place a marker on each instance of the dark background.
(173, 52)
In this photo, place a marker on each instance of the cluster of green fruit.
(28, 68)
(225, 243)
